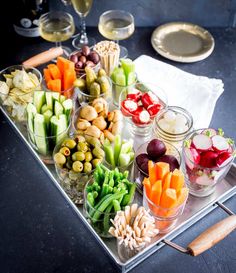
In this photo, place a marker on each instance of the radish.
(143, 117)
(219, 143)
(204, 180)
(209, 132)
(128, 107)
(202, 142)
(192, 157)
(208, 159)
(153, 109)
(223, 159)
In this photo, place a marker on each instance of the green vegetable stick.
(106, 220)
(116, 205)
(128, 197)
(117, 147)
(105, 204)
(109, 154)
(124, 160)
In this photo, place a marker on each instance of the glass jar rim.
(197, 165)
(164, 110)
(44, 84)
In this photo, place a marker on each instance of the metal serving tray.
(196, 208)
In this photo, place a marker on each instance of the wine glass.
(57, 26)
(82, 8)
(117, 25)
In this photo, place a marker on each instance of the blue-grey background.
(208, 13)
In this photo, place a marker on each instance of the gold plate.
(182, 42)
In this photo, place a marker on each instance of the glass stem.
(58, 44)
(83, 34)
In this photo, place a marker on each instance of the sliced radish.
(135, 95)
(223, 159)
(192, 157)
(153, 109)
(209, 132)
(128, 107)
(202, 142)
(204, 180)
(208, 159)
(142, 118)
(219, 143)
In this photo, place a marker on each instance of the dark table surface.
(39, 232)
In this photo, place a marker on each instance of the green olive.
(96, 161)
(69, 163)
(87, 167)
(82, 146)
(78, 156)
(65, 151)
(70, 143)
(88, 156)
(77, 167)
(98, 152)
(59, 159)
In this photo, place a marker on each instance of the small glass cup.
(101, 224)
(117, 89)
(140, 174)
(200, 180)
(44, 146)
(175, 138)
(17, 105)
(81, 71)
(143, 130)
(125, 252)
(165, 218)
(84, 97)
(73, 183)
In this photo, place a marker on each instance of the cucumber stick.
(128, 66)
(120, 81)
(31, 112)
(49, 100)
(44, 108)
(47, 115)
(68, 106)
(39, 100)
(58, 109)
(58, 127)
(117, 147)
(40, 134)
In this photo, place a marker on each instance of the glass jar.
(162, 130)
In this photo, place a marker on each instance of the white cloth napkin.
(197, 94)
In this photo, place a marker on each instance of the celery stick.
(117, 147)
(120, 81)
(109, 154)
(128, 66)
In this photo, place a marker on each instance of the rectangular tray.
(196, 208)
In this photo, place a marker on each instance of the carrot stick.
(166, 181)
(156, 191)
(168, 198)
(177, 180)
(152, 172)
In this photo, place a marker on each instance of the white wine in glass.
(117, 25)
(82, 8)
(56, 26)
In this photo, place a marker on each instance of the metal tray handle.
(209, 237)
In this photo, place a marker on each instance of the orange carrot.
(182, 196)
(156, 190)
(54, 85)
(162, 168)
(68, 79)
(54, 71)
(177, 180)
(152, 172)
(47, 75)
(166, 181)
(168, 198)
(147, 185)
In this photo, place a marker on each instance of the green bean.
(105, 190)
(111, 180)
(106, 220)
(90, 199)
(129, 196)
(105, 204)
(116, 205)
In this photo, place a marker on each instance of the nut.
(88, 112)
(109, 135)
(93, 131)
(100, 123)
(83, 124)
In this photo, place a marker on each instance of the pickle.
(95, 89)
(101, 72)
(105, 85)
(80, 83)
(90, 76)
